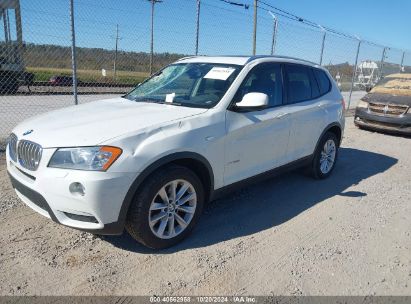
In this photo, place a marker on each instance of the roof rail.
(252, 58)
(188, 57)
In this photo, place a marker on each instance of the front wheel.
(166, 208)
(325, 156)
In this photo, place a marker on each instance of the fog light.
(77, 189)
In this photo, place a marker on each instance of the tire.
(148, 206)
(317, 169)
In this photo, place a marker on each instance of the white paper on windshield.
(219, 73)
(170, 97)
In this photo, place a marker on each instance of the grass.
(126, 77)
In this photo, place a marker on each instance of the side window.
(298, 83)
(264, 78)
(323, 81)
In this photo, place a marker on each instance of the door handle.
(282, 115)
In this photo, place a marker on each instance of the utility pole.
(198, 25)
(275, 26)
(115, 55)
(255, 27)
(153, 2)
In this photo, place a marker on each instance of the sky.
(225, 28)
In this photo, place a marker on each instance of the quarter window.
(323, 81)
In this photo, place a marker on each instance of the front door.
(256, 141)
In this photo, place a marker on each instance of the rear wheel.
(325, 156)
(166, 208)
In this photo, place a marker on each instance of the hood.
(95, 122)
(388, 98)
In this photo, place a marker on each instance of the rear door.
(306, 110)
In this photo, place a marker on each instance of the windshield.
(187, 84)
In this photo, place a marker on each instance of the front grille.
(387, 109)
(12, 142)
(29, 154)
(376, 107)
(396, 109)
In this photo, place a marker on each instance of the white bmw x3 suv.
(150, 160)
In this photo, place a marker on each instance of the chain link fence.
(113, 49)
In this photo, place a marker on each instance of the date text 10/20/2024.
(202, 299)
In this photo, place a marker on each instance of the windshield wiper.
(151, 100)
(159, 101)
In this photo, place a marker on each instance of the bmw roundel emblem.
(28, 132)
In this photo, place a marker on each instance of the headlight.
(362, 104)
(85, 158)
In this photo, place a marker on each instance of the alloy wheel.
(327, 158)
(172, 209)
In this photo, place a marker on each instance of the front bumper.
(47, 192)
(392, 124)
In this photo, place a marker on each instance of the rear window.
(323, 81)
(298, 83)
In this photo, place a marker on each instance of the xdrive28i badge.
(28, 132)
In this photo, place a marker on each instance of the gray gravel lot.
(291, 235)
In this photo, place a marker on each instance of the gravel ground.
(291, 235)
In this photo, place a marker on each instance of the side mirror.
(253, 101)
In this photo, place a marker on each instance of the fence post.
(354, 72)
(152, 37)
(322, 44)
(5, 25)
(198, 25)
(255, 28)
(382, 62)
(402, 61)
(73, 53)
(275, 26)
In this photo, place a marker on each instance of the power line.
(246, 6)
(294, 17)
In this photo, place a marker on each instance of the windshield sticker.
(219, 73)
